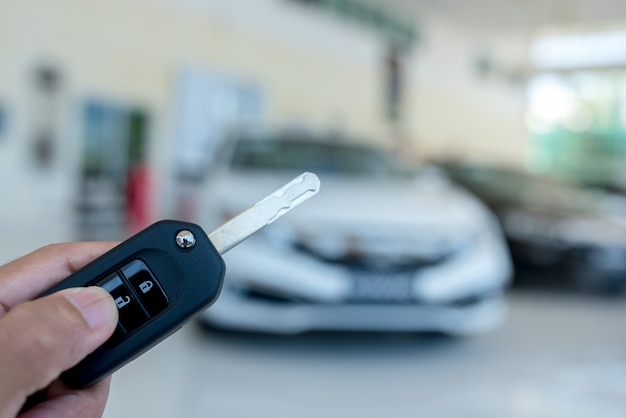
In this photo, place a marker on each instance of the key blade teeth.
(265, 212)
(302, 198)
(292, 194)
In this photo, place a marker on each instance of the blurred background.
(496, 292)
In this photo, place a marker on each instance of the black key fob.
(159, 279)
(166, 274)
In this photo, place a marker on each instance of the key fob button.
(150, 293)
(131, 316)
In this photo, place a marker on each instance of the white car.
(379, 248)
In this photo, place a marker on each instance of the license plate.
(380, 287)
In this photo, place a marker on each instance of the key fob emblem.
(122, 301)
(145, 286)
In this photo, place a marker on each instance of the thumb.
(44, 337)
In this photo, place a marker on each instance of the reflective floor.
(558, 355)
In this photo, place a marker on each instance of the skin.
(41, 338)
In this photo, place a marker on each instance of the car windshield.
(320, 157)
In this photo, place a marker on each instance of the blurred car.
(559, 234)
(380, 248)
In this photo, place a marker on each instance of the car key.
(164, 275)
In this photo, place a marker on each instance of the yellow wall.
(130, 51)
(460, 114)
(312, 67)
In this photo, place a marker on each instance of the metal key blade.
(265, 212)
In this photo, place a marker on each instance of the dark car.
(558, 233)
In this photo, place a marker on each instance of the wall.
(315, 70)
(459, 113)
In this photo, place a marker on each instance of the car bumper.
(236, 311)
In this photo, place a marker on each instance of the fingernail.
(96, 306)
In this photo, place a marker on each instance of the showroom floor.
(558, 355)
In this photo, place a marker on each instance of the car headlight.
(570, 231)
(594, 232)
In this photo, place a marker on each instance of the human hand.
(41, 338)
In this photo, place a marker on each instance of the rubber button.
(151, 295)
(130, 313)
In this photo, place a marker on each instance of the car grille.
(362, 260)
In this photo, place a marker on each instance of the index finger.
(27, 277)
